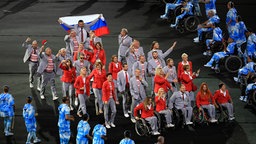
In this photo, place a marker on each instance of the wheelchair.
(221, 113)
(178, 118)
(231, 63)
(188, 23)
(202, 117)
(172, 14)
(143, 128)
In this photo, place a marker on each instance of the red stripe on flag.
(102, 31)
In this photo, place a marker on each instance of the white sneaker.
(213, 120)
(196, 38)
(232, 118)
(107, 126)
(196, 41)
(38, 89)
(133, 120)
(37, 140)
(245, 99)
(236, 79)
(112, 125)
(129, 111)
(173, 25)
(55, 98)
(241, 98)
(170, 125)
(8, 134)
(42, 97)
(207, 65)
(156, 133)
(31, 85)
(189, 123)
(163, 16)
(126, 115)
(205, 53)
(76, 101)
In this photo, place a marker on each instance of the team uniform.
(83, 129)
(98, 131)
(64, 124)
(231, 20)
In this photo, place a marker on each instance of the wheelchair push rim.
(191, 23)
(141, 128)
(233, 64)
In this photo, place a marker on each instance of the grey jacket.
(177, 101)
(29, 50)
(124, 44)
(139, 93)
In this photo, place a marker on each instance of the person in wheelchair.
(206, 26)
(246, 70)
(217, 38)
(181, 101)
(205, 100)
(147, 113)
(249, 90)
(244, 75)
(170, 6)
(229, 50)
(161, 107)
(185, 11)
(251, 45)
(223, 98)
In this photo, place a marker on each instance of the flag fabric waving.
(100, 27)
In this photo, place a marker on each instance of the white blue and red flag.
(100, 27)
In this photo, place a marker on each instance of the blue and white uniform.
(217, 37)
(83, 129)
(239, 33)
(7, 111)
(218, 55)
(231, 21)
(189, 7)
(248, 68)
(250, 87)
(250, 47)
(30, 122)
(211, 20)
(64, 124)
(127, 141)
(98, 131)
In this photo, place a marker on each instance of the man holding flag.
(84, 25)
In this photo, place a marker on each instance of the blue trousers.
(7, 124)
(64, 137)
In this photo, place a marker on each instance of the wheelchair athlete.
(250, 90)
(223, 98)
(161, 108)
(181, 101)
(229, 50)
(216, 38)
(170, 6)
(147, 113)
(205, 100)
(185, 10)
(206, 26)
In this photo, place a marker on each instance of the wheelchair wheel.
(233, 64)
(159, 119)
(141, 127)
(177, 11)
(198, 115)
(191, 23)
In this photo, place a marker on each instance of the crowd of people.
(83, 70)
